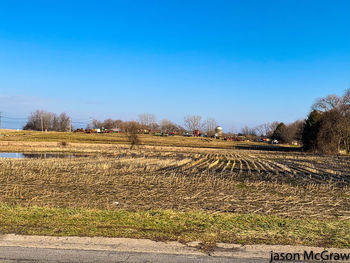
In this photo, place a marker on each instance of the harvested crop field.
(286, 184)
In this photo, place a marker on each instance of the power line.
(12, 121)
(14, 118)
(78, 122)
(26, 118)
(9, 114)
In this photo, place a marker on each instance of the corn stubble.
(184, 179)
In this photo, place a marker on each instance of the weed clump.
(63, 144)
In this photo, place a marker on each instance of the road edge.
(149, 246)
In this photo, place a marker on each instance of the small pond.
(40, 155)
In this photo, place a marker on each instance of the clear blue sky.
(241, 62)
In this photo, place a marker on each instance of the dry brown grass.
(183, 179)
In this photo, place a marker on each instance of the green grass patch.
(173, 225)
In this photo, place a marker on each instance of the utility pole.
(42, 126)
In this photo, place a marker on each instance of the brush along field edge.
(164, 225)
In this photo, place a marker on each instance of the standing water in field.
(39, 155)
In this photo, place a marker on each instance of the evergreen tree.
(280, 133)
(311, 130)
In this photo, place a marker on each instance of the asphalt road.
(28, 255)
(27, 249)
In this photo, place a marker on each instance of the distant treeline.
(326, 129)
(41, 120)
(127, 126)
(149, 122)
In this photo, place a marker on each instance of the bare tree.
(96, 124)
(131, 126)
(147, 119)
(43, 120)
(154, 126)
(34, 121)
(248, 131)
(56, 123)
(64, 122)
(193, 122)
(266, 129)
(180, 129)
(109, 124)
(168, 126)
(132, 129)
(118, 124)
(270, 128)
(47, 119)
(328, 103)
(260, 130)
(209, 126)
